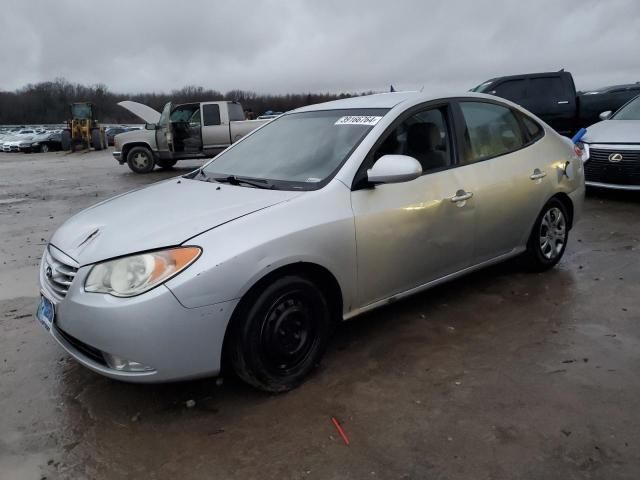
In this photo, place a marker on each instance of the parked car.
(552, 97)
(113, 131)
(612, 149)
(43, 142)
(13, 141)
(322, 214)
(191, 130)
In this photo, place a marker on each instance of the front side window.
(297, 150)
(490, 130)
(511, 90)
(423, 136)
(630, 111)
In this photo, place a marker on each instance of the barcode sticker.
(358, 120)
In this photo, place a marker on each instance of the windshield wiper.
(237, 180)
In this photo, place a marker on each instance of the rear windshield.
(298, 150)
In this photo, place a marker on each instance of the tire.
(44, 148)
(166, 164)
(140, 160)
(65, 140)
(96, 139)
(549, 236)
(279, 334)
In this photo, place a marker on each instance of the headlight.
(136, 274)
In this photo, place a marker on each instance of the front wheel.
(548, 239)
(166, 164)
(44, 148)
(140, 160)
(280, 334)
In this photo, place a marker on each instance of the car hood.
(161, 215)
(614, 131)
(146, 113)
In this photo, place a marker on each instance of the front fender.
(315, 227)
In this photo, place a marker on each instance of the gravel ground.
(502, 374)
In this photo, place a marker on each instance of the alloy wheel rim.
(553, 233)
(288, 334)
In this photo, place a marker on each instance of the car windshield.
(631, 111)
(298, 150)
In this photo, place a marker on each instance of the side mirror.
(150, 126)
(394, 169)
(605, 115)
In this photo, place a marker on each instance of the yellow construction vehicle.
(83, 130)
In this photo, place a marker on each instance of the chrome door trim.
(615, 146)
(433, 283)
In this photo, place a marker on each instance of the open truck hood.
(161, 215)
(146, 113)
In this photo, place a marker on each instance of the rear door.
(164, 135)
(215, 126)
(510, 184)
(553, 99)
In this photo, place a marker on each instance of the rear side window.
(511, 90)
(235, 112)
(533, 129)
(546, 87)
(490, 130)
(211, 114)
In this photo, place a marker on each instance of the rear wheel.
(548, 239)
(65, 140)
(166, 164)
(44, 148)
(140, 160)
(280, 334)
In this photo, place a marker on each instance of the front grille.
(626, 172)
(86, 350)
(57, 272)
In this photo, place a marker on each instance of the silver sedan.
(612, 149)
(327, 212)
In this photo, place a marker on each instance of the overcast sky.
(322, 45)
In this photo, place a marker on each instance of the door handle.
(461, 196)
(537, 174)
(563, 102)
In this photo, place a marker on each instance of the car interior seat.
(424, 144)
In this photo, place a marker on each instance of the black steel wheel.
(166, 164)
(280, 334)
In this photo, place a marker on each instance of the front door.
(164, 135)
(408, 234)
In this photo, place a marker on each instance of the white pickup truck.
(190, 130)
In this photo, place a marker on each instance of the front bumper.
(153, 329)
(118, 156)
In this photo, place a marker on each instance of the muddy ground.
(500, 375)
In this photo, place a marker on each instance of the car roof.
(386, 100)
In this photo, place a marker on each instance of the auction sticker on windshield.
(358, 120)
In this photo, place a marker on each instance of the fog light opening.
(123, 365)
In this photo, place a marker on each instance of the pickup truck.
(552, 96)
(190, 130)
